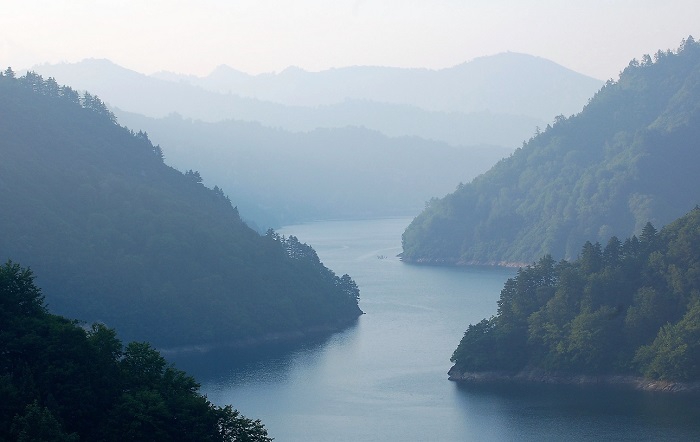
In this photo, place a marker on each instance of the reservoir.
(385, 377)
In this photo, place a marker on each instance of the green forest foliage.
(628, 157)
(119, 237)
(629, 307)
(63, 382)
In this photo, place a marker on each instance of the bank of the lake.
(540, 377)
(451, 263)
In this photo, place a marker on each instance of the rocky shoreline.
(534, 376)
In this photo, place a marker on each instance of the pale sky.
(594, 37)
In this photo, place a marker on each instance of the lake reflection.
(385, 378)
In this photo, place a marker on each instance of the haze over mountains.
(343, 143)
(491, 100)
(507, 83)
(276, 177)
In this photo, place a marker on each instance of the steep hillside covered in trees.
(63, 383)
(119, 237)
(630, 307)
(629, 157)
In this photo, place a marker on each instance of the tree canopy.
(629, 307)
(64, 382)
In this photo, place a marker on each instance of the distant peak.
(97, 61)
(223, 68)
(501, 56)
(293, 70)
(226, 71)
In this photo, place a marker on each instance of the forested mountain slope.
(630, 307)
(627, 158)
(61, 382)
(119, 237)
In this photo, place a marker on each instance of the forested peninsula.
(625, 313)
(629, 157)
(62, 382)
(118, 237)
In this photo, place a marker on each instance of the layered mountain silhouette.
(492, 100)
(277, 177)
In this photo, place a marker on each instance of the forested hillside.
(119, 237)
(627, 158)
(628, 307)
(63, 383)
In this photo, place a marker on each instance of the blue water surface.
(385, 378)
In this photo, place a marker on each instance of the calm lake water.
(385, 378)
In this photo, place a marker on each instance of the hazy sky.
(595, 37)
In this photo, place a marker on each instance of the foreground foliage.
(61, 382)
(121, 238)
(627, 158)
(629, 307)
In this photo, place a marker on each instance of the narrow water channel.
(385, 378)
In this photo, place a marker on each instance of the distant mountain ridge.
(506, 83)
(448, 105)
(628, 158)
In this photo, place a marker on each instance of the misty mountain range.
(276, 177)
(490, 100)
(344, 143)
(507, 83)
